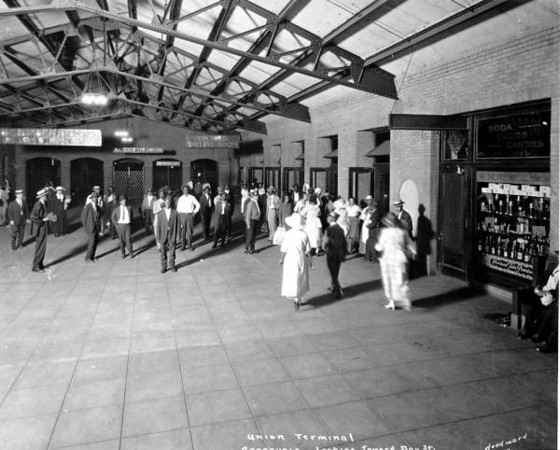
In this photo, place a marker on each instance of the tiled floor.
(117, 356)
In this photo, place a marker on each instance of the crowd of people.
(304, 222)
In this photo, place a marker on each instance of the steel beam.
(203, 42)
(468, 17)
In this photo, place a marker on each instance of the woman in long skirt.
(366, 219)
(354, 212)
(296, 260)
(313, 226)
(396, 247)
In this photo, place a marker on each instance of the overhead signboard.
(138, 150)
(168, 163)
(212, 141)
(51, 137)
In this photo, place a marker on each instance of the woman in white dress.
(396, 247)
(353, 212)
(296, 260)
(340, 209)
(300, 204)
(365, 218)
(313, 227)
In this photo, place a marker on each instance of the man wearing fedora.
(167, 228)
(272, 206)
(122, 219)
(91, 221)
(252, 218)
(60, 206)
(39, 219)
(403, 217)
(17, 217)
(148, 211)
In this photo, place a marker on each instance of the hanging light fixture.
(97, 91)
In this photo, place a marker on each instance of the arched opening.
(168, 172)
(84, 174)
(128, 179)
(205, 171)
(38, 172)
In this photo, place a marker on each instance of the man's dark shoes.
(163, 270)
(173, 269)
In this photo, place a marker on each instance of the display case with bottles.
(512, 228)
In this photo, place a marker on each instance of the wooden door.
(454, 204)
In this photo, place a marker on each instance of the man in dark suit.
(122, 220)
(91, 221)
(261, 200)
(148, 211)
(221, 218)
(206, 207)
(231, 200)
(404, 217)
(40, 218)
(17, 216)
(334, 244)
(166, 229)
(252, 218)
(373, 227)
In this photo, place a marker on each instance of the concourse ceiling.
(221, 66)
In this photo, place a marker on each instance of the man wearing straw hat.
(17, 216)
(39, 218)
(403, 217)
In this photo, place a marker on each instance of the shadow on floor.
(447, 298)
(349, 292)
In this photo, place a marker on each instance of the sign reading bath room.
(51, 137)
(212, 141)
(139, 150)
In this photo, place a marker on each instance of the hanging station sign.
(51, 137)
(139, 150)
(212, 141)
(168, 163)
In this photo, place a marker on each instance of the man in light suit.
(91, 221)
(252, 220)
(272, 206)
(122, 220)
(166, 229)
(17, 216)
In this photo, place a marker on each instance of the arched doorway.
(38, 172)
(84, 174)
(128, 179)
(205, 171)
(168, 172)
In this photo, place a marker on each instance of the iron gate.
(128, 179)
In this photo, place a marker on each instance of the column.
(65, 175)
(148, 175)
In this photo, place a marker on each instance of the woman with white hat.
(296, 260)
